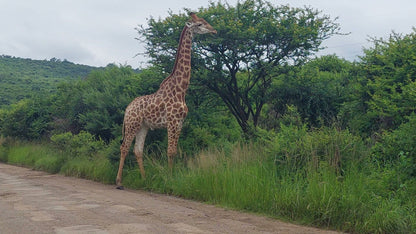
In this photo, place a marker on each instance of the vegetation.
(332, 144)
(256, 41)
(20, 78)
(323, 177)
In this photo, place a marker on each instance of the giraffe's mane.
(177, 56)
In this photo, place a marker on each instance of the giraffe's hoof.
(120, 187)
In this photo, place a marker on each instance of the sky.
(100, 32)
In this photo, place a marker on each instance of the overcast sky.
(99, 32)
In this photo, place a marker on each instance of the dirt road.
(37, 202)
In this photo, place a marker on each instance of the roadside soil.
(37, 202)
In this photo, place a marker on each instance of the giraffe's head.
(199, 25)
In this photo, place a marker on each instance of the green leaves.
(255, 38)
(79, 145)
(22, 78)
(97, 103)
(27, 119)
(317, 89)
(390, 68)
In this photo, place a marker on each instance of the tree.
(317, 90)
(27, 119)
(96, 104)
(385, 91)
(255, 41)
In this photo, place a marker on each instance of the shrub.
(294, 147)
(3, 150)
(82, 144)
(28, 119)
(399, 147)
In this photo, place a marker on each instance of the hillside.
(20, 78)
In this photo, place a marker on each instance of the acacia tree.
(255, 41)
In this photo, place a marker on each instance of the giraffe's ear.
(189, 24)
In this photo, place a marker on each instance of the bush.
(3, 150)
(213, 129)
(399, 147)
(27, 119)
(294, 148)
(82, 144)
(85, 156)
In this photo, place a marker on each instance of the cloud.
(98, 32)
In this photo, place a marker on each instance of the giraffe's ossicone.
(166, 108)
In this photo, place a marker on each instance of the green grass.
(313, 196)
(98, 169)
(46, 158)
(317, 196)
(34, 155)
(49, 162)
(249, 178)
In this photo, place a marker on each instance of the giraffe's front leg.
(174, 130)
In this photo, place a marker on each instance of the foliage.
(95, 104)
(83, 144)
(27, 119)
(295, 147)
(316, 90)
(3, 150)
(40, 157)
(255, 38)
(204, 129)
(386, 85)
(98, 169)
(86, 162)
(248, 178)
(399, 147)
(353, 202)
(21, 78)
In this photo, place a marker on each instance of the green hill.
(20, 78)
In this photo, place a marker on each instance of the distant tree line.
(21, 78)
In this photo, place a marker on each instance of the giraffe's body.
(166, 108)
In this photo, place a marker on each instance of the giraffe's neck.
(178, 80)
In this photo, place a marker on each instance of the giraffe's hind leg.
(124, 150)
(138, 148)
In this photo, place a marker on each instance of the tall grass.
(323, 178)
(98, 169)
(334, 184)
(321, 198)
(37, 156)
(47, 158)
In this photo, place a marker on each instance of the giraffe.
(166, 108)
